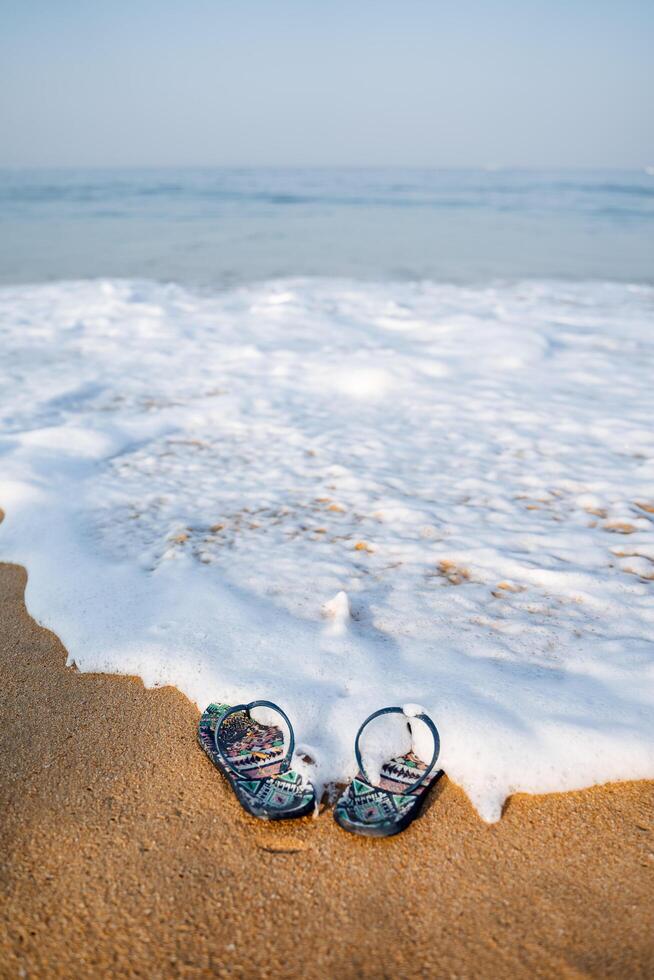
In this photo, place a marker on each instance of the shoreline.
(125, 853)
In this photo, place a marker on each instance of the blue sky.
(301, 82)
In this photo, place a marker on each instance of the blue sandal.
(389, 807)
(251, 756)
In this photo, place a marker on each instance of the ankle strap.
(394, 711)
(286, 762)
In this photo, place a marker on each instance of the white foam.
(338, 611)
(386, 737)
(191, 480)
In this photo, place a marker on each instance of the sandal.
(251, 755)
(389, 807)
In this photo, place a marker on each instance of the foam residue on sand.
(339, 496)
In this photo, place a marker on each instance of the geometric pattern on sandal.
(251, 756)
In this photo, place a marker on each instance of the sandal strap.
(286, 761)
(394, 711)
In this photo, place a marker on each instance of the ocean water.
(220, 227)
(344, 465)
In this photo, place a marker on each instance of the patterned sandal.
(404, 782)
(251, 756)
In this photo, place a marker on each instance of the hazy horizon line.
(475, 168)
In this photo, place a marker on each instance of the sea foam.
(340, 496)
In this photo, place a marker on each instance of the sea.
(344, 439)
(217, 227)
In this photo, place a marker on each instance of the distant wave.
(434, 190)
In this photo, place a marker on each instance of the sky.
(530, 83)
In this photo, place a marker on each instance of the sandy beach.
(124, 854)
(326, 361)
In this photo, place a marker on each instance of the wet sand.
(123, 853)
